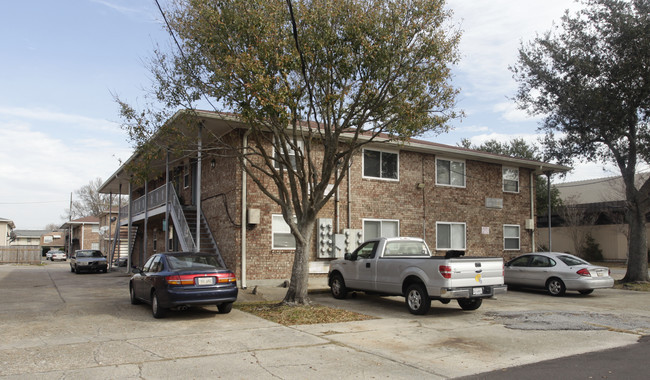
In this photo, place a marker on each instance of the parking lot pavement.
(56, 324)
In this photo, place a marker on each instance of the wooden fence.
(20, 254)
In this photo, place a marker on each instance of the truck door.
(363, 267)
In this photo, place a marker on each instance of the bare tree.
(87, 201)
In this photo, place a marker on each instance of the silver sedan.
(557, 273)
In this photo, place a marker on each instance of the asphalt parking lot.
(56, 324)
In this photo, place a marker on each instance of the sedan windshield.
(193, 262)
(571, 260)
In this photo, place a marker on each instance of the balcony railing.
(153, 199)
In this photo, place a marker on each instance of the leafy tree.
(590, 79)
(313, 80)
(87, 201)
(521, 149)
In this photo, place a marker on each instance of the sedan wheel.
(225, 307)
(134, 300)
(556, 287)
(417, 299)
(156, 309)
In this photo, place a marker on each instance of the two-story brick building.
(453, 197)
(82, 233)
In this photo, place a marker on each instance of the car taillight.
(226, 278)
(445, 271)
(187, 279)
(584, 272)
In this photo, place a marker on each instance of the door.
(140, 285)
(515, 271)
(363, 267)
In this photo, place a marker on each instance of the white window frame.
(94, 246)
(279, 229)
(94, 228)
(518, 237)
(503, 179)
(381, 227)
(450, 181)
(301, 146)
(464, 247)
(381, 152)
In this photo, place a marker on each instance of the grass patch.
(299, 315)
(636, 286)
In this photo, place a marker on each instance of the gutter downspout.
(532, 209)
(83, 231)
(198, 192)
(243, 212)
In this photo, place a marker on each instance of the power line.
(28, 203)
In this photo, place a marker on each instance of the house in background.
(27, 237)
(6, 227)
(107, 227)
(454, 198)
(595, 207)
(81, 233)
(53, 240)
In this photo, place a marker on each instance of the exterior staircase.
(122, 245)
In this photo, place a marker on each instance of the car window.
(541, 262)
(193, 262)
(367, 250)
(520, 261)
(147, 265)
(410, 248)
(572, 260)
(97, 254)
(156, 265)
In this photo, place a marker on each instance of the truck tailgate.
(476, 271)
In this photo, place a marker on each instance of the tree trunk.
(637, 260)
(297, 292)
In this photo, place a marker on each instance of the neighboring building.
(27, 237)
(6, 227)
(81, 233)
(596, 207)
(53, 240)
(453, 197)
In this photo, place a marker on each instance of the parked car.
(557, 273)
(183, 279)
(88, 260)
(56, 255)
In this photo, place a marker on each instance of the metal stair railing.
(214, 242)
(182, 228)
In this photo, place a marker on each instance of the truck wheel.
(470, 303)
(417, 299)
(337, 286)
(555, 286)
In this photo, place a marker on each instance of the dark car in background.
(88, 260)
(181, 280)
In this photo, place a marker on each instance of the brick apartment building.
(452, 197)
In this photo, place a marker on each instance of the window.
(375, 228)
(378, 164)
(155, 239)
(94, 246)
(366, 250)
(95, 228)
(292, 155)
(450, 235)
(511, 237)
(281, 234)
(450, 173)
(511, 180)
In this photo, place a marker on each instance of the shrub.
(591, 249)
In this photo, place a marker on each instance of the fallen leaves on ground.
(637, 286)
(300, 314)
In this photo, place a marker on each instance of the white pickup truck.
(405, 267)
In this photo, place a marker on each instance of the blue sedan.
(183, 279)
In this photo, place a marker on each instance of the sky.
(63, 62)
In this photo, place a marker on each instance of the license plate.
(205, 280)
(601, 273)
(477, 291)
